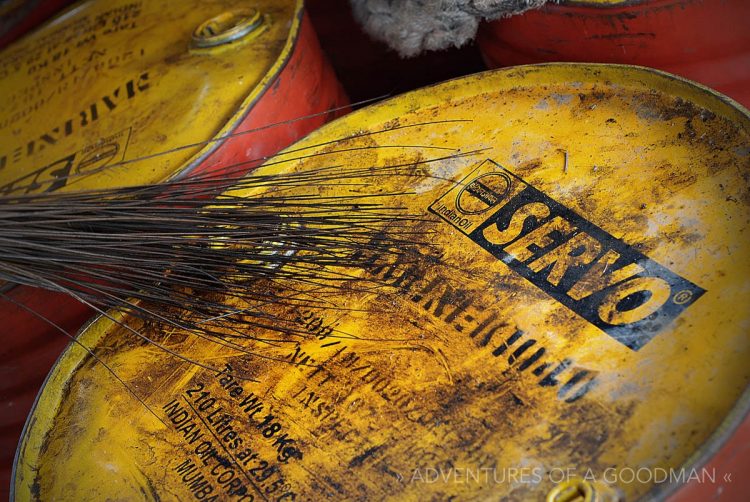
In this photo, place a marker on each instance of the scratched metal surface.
(490, 347)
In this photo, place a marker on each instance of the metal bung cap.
(573, 308)
(227, 27)
(582, 490)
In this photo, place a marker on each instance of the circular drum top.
(578, 305)
(114, 81)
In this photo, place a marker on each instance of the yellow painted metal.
(116, 81)
(459, 376)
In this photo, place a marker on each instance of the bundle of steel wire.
(158, 251)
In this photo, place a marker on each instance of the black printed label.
(607, 282)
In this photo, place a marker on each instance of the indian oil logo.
(611, 285)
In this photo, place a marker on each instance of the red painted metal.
(23, 16)
(305, 87)
(729, 467)
(704, 40)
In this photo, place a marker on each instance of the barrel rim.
(31, 417)
(728, 107)
(708, 450)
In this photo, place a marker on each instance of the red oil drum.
(705, 40)
(186, 87)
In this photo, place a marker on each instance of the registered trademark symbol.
(682, 297)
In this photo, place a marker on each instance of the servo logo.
(611, 285)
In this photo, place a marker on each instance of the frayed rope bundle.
(414, 26)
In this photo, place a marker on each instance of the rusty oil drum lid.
(111, 82)
(581, 310)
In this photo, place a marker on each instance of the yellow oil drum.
(114, 93)
(570, 322)
(153, 89)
